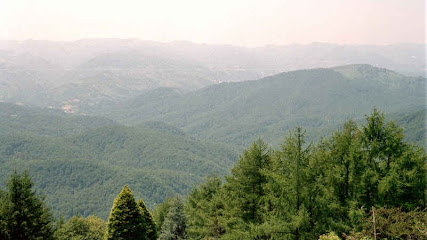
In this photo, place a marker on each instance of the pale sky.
(237, 22)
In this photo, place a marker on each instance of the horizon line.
(212, 44)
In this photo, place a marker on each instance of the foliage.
(79, 228)
(126, 220)
(318, 100)
(174, 225)
(414, 125)
(160, 212)
(245, 184)
(78, 167)
(329, 236)
(78, 161)
(393, 223)
(24, 215)
(150, 226)
(302, 191)
(201, 211)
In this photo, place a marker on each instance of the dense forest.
(322, 181)
(237, 113)
(365, 181)
(77, 161)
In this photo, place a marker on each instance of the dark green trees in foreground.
(129, 219)
(327, 190)
(23, 215)
(174, 225)
(150, 226)
(302, 191)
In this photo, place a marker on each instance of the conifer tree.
(346, 163)
(160, 213)
(243, 192)
(26, 216)
(246, 181)
(302, 192)
(295, 159)
(287, 191)
(201, 210)
(175, 224)
(372, 141)
(126, 220)
(3, 214)
(150, 226)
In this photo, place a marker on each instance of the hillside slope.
(91, 73)
(80, 162)
(317, 99)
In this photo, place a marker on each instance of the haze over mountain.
(164, 115)
(243, 119)
(82, 74)
(174, 137)
(316, 99)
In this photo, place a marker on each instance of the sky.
(236, 22)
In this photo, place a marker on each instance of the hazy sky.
(238, 22)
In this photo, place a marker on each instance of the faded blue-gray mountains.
(86, 74)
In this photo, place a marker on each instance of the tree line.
(303, 191)
(331, 189)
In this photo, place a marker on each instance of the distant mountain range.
(161, 116)
(237, 113)
(82, 74)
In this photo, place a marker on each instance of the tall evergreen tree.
(247, 179)
(372, 140)
(201, 210)
(26, 216)
(346, 163)
(126, 220)
(150, 226)
(175, 225)
(160, 213)
(288, 188)
(393, 169)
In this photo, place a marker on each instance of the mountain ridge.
(309, 98)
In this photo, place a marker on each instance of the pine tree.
(150, 226)
(242, 194)
(126, 220)
(346, 164)
(394, 170)
(247, 179)
(160, 213)
(26, 216)
(372, 141)
(175, 225)
(201, 210)
(288, 196)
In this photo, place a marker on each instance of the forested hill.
(91, 73)
(48, 122)
(317, 99)
(172, 139)
(414, 125)
(80, 162)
